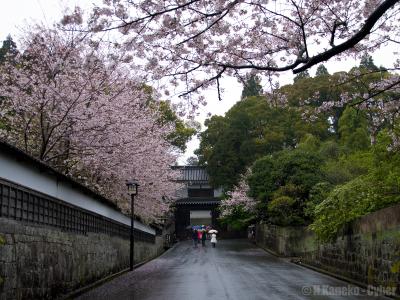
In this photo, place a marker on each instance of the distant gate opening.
(200, 217)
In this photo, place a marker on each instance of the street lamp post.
(132, 186)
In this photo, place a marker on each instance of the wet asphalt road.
(235, 270)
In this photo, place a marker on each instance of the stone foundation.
(43, 262)
(366, 251)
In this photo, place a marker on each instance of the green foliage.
(283, 182)
(251, 129)
(344, 204)
(182, 134)
(386, 171)
(367, 62)
(7, 51)
(282, 211)
(353, 130)
(183, 131)
(395, 267)
(378, 188)
(252, 87)
(239, 219)
(329, 150)
(346, 167)
(261, 181)
(309, 143)
(309, 93)
(2, 240)
(318, 194)
(300, 168)
(8, 48)
(328, 172)
(301, 75)
(321, 71)
(335, 172)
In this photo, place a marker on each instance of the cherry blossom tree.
(238, 199)
(196, 42)
(67, 103)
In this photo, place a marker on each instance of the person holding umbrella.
(195, 237)
(199, 235)
(213, 237)
(203, 238)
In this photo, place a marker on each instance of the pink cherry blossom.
(87, 115)
(198, 41)
(238, 198)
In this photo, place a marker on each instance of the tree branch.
(359, 36)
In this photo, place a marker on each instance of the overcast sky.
(16, 14)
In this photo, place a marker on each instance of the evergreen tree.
(250, 129)
(321, 71)
(9, 47)
(353, 130)
(367, 62)
(301, 75)
(252, 87)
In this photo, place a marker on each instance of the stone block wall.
(367, 250)
(285, 241)
(145, 251)
(39, 262)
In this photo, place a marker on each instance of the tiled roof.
(23, 156)
(209, 201)
(193, 174)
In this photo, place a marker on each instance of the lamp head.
(132, 186)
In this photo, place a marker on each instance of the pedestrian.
(213, 239)
(199, 235)
(195, 238)
(203, 238)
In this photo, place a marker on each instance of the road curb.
(93, 285)
(270, 251)
(157, 256)
(101, 281)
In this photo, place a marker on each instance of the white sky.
(16, 14)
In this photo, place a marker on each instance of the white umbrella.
(212, 231)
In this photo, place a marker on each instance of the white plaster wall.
(196, 214)
(218, 192)
(25, 174)
(199, 186)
